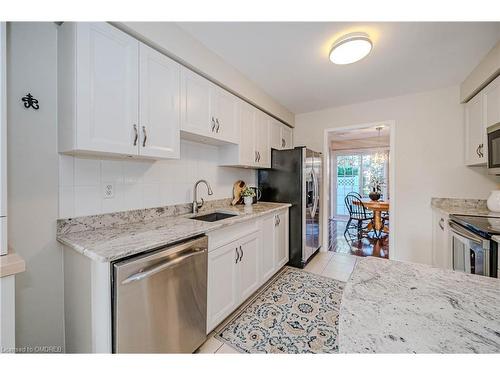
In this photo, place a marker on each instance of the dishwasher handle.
(160, 267)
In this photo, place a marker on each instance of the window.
(354, 171)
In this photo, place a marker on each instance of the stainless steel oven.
(472, 253)
(493, 149)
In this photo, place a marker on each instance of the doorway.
(360, 162)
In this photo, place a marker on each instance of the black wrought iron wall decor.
(30, 101)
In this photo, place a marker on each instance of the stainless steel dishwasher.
(160, 300)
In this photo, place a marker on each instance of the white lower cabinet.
(237, 269)
(222, 294)
(441, 246)
(281, 240)
(267, 259)
(248, 263)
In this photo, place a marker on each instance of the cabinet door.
(159, 119)
(107, 73)
(281, 239)
(223, 292)
(247, 134)
(262, 141)
(474, 131)
(286, 137)
(441, 247)
(268, 224)
(491, 98)
(225, 114)
(248, 265)
(275, 135)
(195, 104)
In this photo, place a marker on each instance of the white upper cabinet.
(262, 140)
(474, 131)
(195, 104)
(208, 113)
(159, 105)
(254, 144)
(98, 89)
(102, 74)
(246, 117)
(281, 135)
(286, 137)
(491, 101)
(224, 113)
(482, 111)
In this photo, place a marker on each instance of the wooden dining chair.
(358, 216)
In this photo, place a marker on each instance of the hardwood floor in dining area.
(369, 246)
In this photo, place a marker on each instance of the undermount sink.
(214, 216)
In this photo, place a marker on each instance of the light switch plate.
(109, 191)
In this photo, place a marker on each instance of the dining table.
(377, 207)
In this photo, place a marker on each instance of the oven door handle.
(468, 235)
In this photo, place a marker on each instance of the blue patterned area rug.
(296, 313)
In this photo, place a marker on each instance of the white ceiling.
(290, 60)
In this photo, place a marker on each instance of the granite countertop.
(114, 242)
(399, 307)
(453, 206)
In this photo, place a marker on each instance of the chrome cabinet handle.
(241, 256)
(279, 220)
(237, 256)
(218, 125)
(145, 136)
(136, 135)
(283, 142)
(441, 224)
(213, 124)
(481, 150)
(255, 156)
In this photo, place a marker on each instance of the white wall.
(37, 173)
(429, 154)
(33, 183)
(143, 183)
(172, 39)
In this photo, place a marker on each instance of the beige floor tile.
(210, 346)
(315, 267)
(344, 258)
(339, 275)
(333, 265)
(226, 349)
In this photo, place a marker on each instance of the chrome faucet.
(197, 205)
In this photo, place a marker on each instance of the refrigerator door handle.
(315, 194)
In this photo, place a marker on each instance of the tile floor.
(329, 264)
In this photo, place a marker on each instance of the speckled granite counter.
(105, 243)
(452, 206)
(399, 307)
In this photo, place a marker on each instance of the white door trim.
(326, 207)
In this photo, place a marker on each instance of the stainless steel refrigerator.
(295, 177)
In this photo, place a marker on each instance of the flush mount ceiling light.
(350, 48)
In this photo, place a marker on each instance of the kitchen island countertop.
(400, 307)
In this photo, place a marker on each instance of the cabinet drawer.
(232, 233)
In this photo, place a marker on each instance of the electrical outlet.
(109, 191)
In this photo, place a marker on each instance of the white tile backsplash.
(87, 172)
(143, 183)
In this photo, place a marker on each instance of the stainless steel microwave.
(493, 133)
